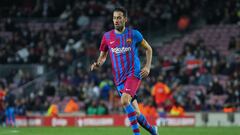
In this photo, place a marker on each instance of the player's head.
(119, 18)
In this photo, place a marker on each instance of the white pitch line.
(14, 131)
(11, 131)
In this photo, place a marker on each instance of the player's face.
(119, 20)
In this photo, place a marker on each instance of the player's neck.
(119, 31)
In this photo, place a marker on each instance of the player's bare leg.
(135, 105)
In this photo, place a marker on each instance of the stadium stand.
(60, 39)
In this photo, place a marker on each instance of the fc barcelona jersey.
(123, 50)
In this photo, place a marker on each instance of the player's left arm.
(146, 69)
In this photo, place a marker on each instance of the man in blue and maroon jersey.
(122, 44)
(2, 106)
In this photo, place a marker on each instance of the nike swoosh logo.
(112, 42)
(128, 89)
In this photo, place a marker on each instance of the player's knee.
(125, 99)
(138, 112)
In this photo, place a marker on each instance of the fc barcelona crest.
(129, 41)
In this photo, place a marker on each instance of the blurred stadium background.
(46, 47)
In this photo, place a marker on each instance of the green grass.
(119, 131)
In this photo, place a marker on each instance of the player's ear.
(126, 19)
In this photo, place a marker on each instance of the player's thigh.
(136, 107)
(131, 86)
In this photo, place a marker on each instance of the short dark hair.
(121, 9)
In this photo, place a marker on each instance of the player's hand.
(95, 66)
(145, 72)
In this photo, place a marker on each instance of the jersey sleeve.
(138, 36)
(103, 45)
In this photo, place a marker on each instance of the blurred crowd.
(141, 13)
(65, 38)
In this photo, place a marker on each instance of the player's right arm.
(103, 54)
(100, 61)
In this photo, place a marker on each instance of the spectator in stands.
(83, 21)
(102, 108)
(217, 95)
(97, 108)
(10, 108)
(230, 103)
(148, 109)
(53, 110)
(204, 79)
(92, 108)
(71, 106)
(177, 110)
(160, 92)
(66, 13)
(21, 107)
(105, 88)
(183, 23)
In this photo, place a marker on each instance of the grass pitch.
(119, 131)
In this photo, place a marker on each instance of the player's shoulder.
(107, 32)
(135, 31)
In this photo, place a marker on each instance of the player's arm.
(146, 69)
(103, 55)
(100, 61)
